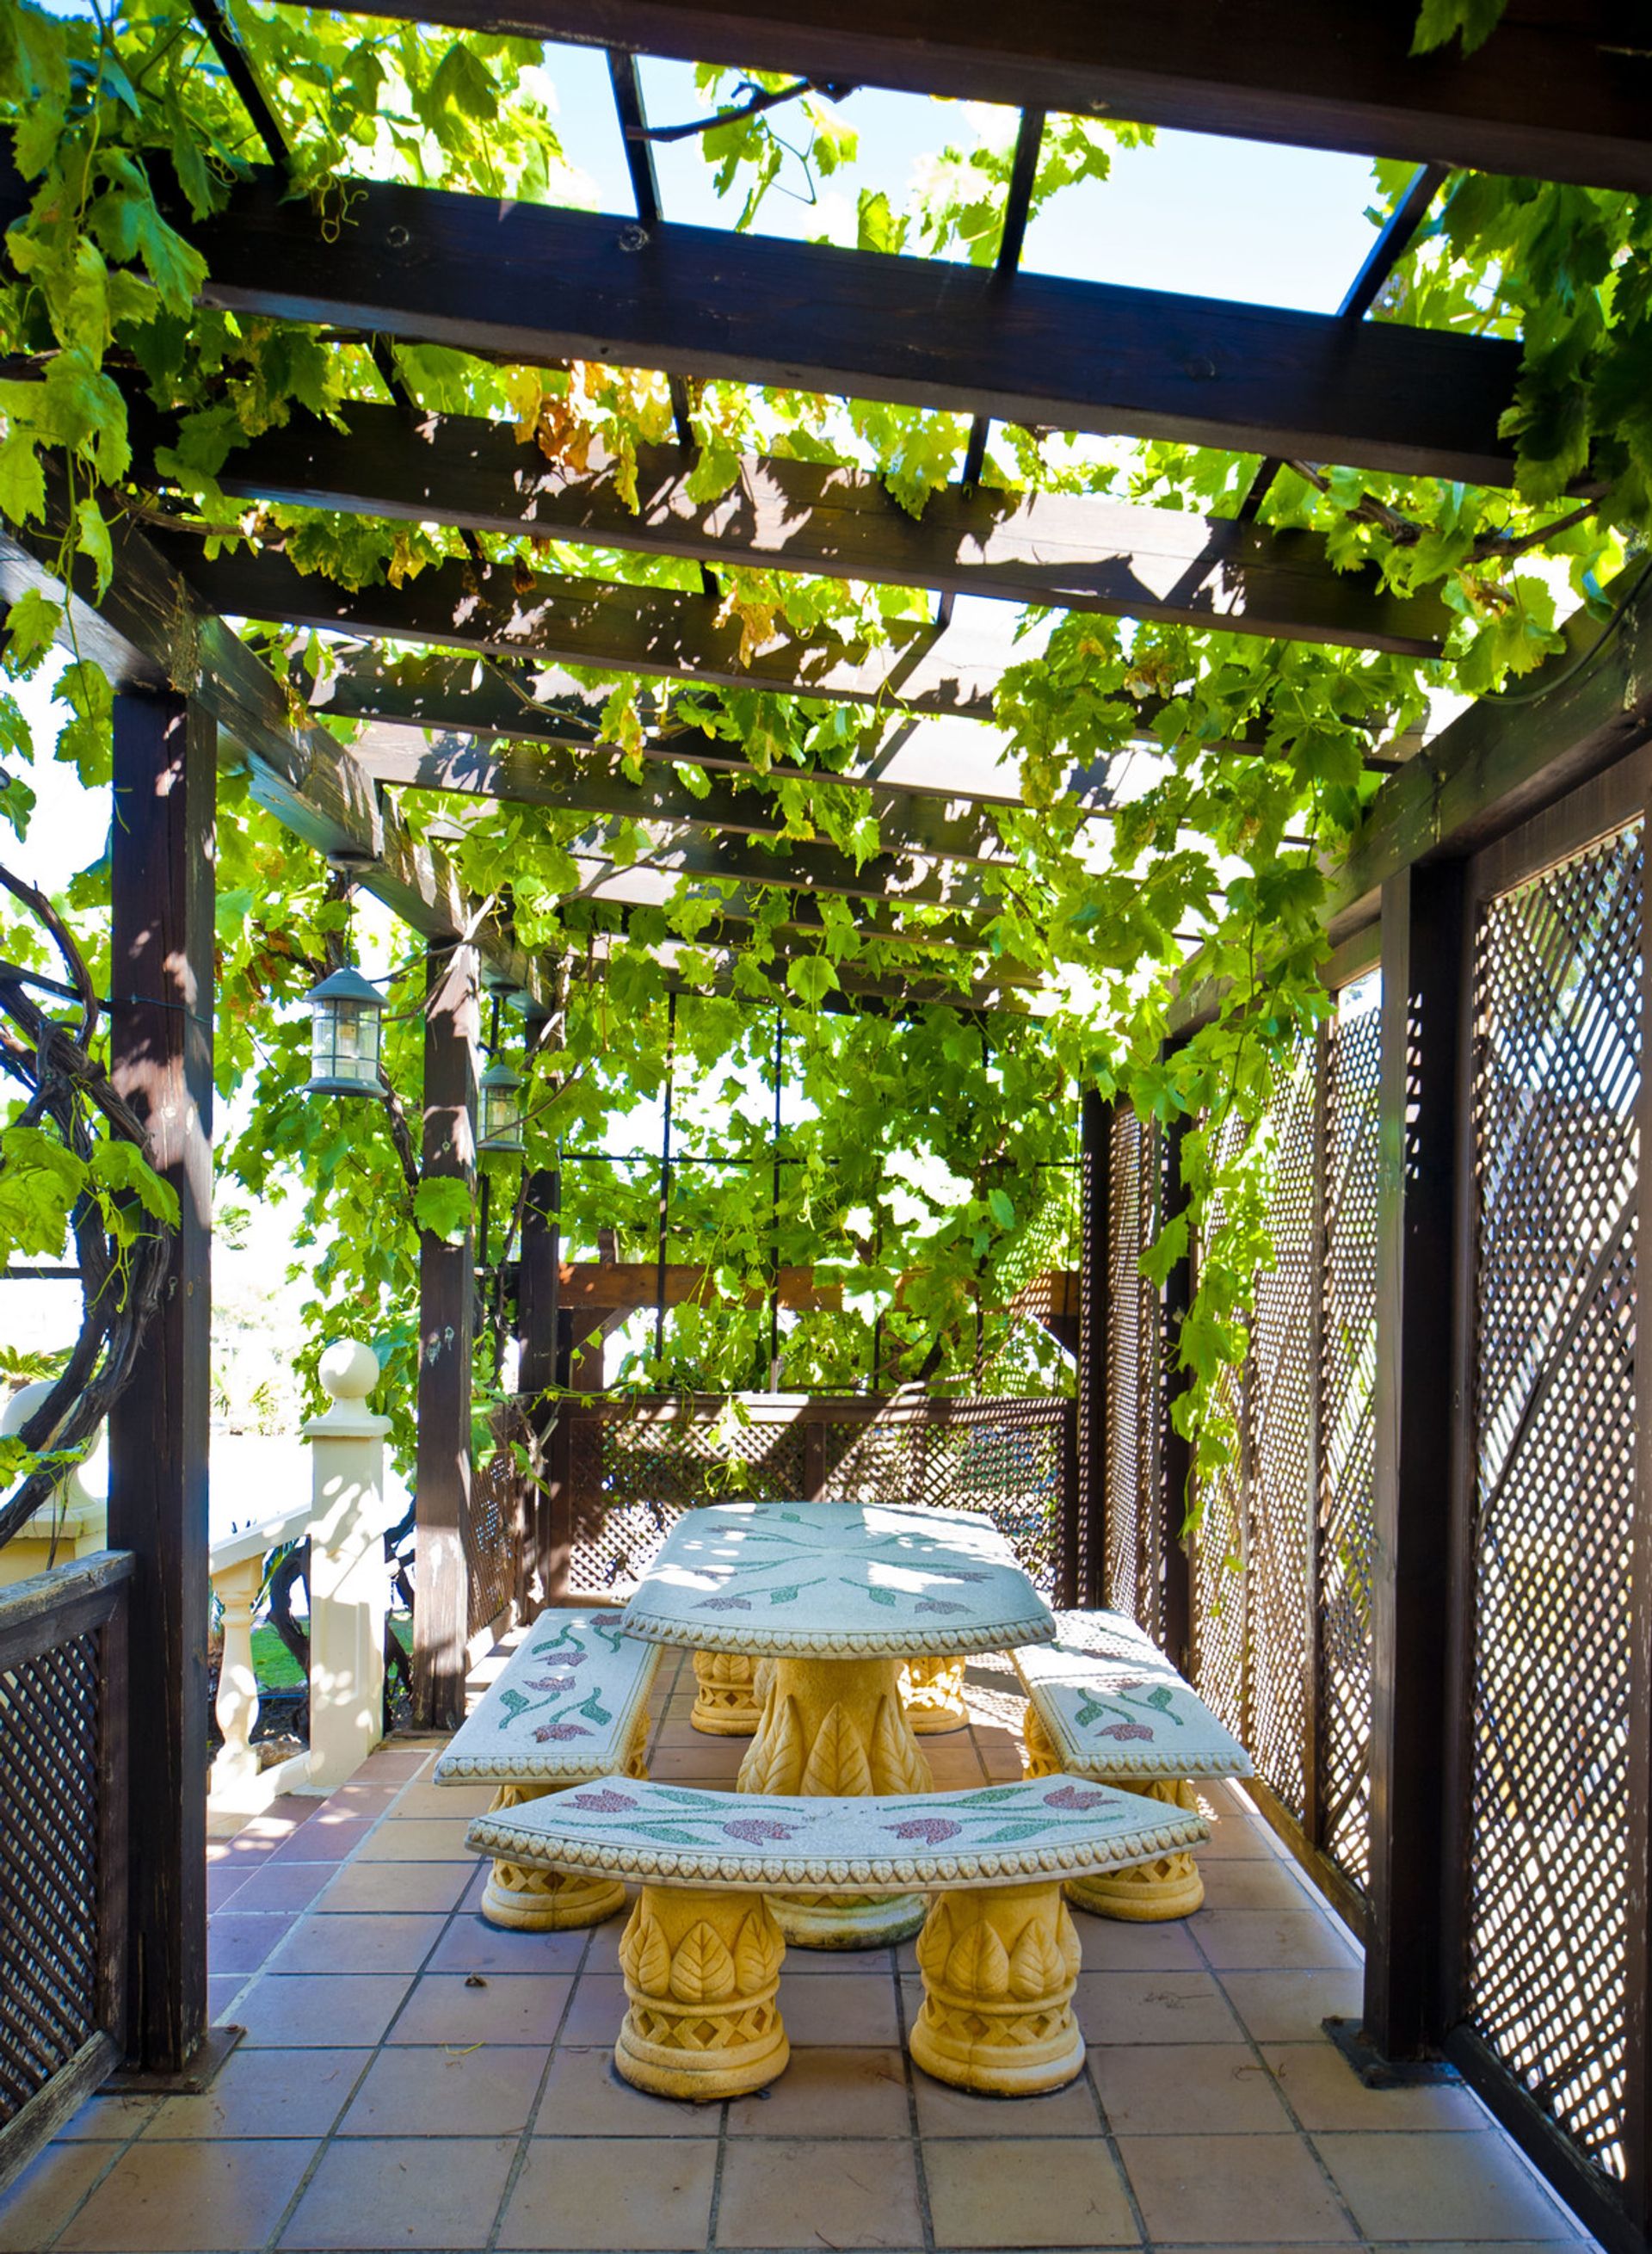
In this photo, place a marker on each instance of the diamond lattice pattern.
(1556, 1071)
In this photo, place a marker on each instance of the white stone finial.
(349, 1370)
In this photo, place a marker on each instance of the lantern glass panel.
(501, 1120)
(344, 1045)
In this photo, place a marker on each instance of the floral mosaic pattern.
(564, 1708)
(1113, 1705)
(859, 1579)
(992, 1835)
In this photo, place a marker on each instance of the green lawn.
(276, 1668)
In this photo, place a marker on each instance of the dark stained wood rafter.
(932, 825)
(1502, 759)
(598, 785)
(489, 700)
(540, 285)
(612, 899)
(1068, 552)
(1562, 89)
(607, 627)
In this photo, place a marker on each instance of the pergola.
(487, 711)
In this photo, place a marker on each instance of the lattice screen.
(49, 1708)
(1347, 1431)
(1556, 1071)
(1132, 1571)
(1285, 1344)
(1281, 1564)
(1221, 1583)
(635, 1468)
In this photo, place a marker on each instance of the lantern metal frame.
(346, 1016)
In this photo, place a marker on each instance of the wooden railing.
(63, 1846)
(622, 1470)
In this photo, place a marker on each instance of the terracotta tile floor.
(411, 2078)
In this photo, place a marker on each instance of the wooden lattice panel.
(1132, 1572)
(635, 1468)
(49, 1864)
(1347, 1434)
(492, 1533)
(1556, 1071)
(1279, 1605)
(1221, 1590)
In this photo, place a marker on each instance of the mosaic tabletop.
(993, 1834)
(845, 1580)
(1114, 1706)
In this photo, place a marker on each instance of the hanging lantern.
(501, 1120)
(344, 1013)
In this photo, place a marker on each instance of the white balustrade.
(345, 1520)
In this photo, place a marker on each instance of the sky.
(1193, 214)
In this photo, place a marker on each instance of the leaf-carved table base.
(836, 1728)
(999, 1966)
(702, 1974)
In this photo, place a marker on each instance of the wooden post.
(447, 1318)
(1417, 1410)
(161, 1060)
(1175, 1453)
(1089, 1562)
(538, 1309)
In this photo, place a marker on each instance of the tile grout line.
(1105, 2131)
(524, 2143)
(326, 2141)
(1253, 2044)
(921, 2172)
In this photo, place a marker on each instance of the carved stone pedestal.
(999, 1965)
(1146, 1893)
(932, 1691)
(530, 1901)
(836, 1728)
(701, 1972)
(1168, 1886)
(725, 1703)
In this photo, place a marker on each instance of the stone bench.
(1103, 1703)
(570, 1704)
(702, 1955)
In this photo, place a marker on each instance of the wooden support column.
(1418, 1412)
(1176, 1453)
(1089, 1560)
(447, 1318)
(538, 1310)
(161, 1060)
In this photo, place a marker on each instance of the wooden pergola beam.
(1499, 761)
(597, 784)
(624, 1286)
(645, 631)
(150, 631)
(1561, 89)
(1065, 551)
(446, 693)
(541, 285)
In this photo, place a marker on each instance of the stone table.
(837, 1595)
